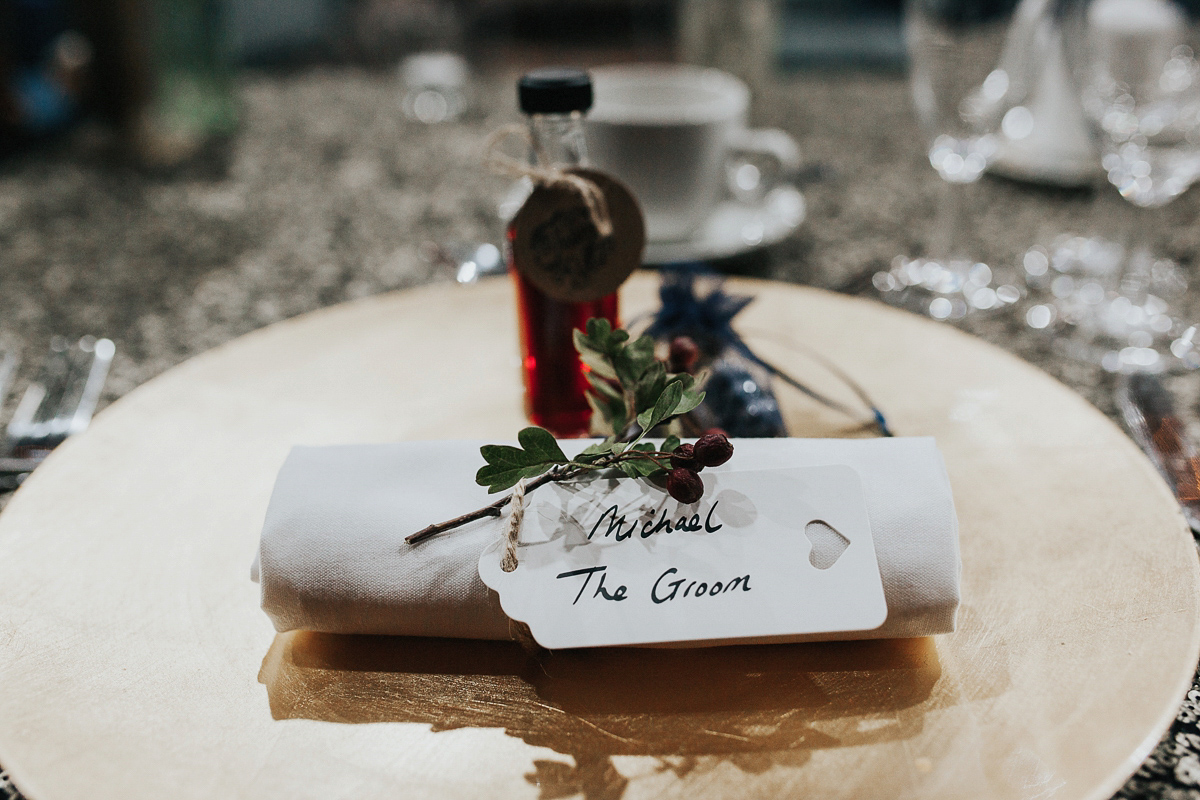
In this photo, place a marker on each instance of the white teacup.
(671, 133)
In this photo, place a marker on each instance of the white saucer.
(734, 228)
(1068, 170)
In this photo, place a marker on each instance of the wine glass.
(967, 69)
(1135, 67)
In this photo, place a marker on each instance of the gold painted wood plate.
(135, 662)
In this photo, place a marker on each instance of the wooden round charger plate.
(135, 663)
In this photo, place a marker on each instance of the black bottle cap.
(555, 90)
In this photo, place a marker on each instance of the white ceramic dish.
(734, 228)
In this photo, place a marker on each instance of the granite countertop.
(329, 194)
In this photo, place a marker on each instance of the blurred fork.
(10, 359)
(58, 404)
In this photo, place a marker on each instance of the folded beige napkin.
(332, 556)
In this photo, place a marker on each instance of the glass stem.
(1134, 280)
(950, 240)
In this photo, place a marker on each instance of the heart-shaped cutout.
(827, 544)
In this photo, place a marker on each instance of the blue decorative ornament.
(738, 395)
(742, 403)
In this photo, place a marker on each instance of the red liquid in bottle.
(555, 380)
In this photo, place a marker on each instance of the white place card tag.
(764, 555)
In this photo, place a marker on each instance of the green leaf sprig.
(628, 384)
(632, 393)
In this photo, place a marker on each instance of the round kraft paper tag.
(557, 247)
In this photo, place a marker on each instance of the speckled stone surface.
(329, 194)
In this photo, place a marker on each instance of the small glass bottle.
(555, 101)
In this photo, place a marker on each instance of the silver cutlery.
(1150, 413)
(468, 261)
(58, 403)
(10, 359)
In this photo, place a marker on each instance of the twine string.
(519, 631)
(512, 533)
(500, 163)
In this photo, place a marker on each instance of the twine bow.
(500, 163)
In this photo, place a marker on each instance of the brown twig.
(493, 510)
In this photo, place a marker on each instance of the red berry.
(685, 485)
(712, 449)
(683, 457)
(682, 355)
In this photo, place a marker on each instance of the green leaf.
(593, 339)
(641, 351)
(598, 363)
(690, 399)
(620, 417)
(632, 361)
(601, 411)
(584, 344)
(598, 329)
(669, 444)
(503, 455)
(599, 448)
(624, 371)
(636, 359)
(540, 444)
(507, 464)
(600, 337)
(608, 410)
(687, 380)
(650, 386)
(649, 469)
(603, 387)
(663, 408)
(594, 452)
(499, 478)
(629, 469)
(644, 467)
(581, 341)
